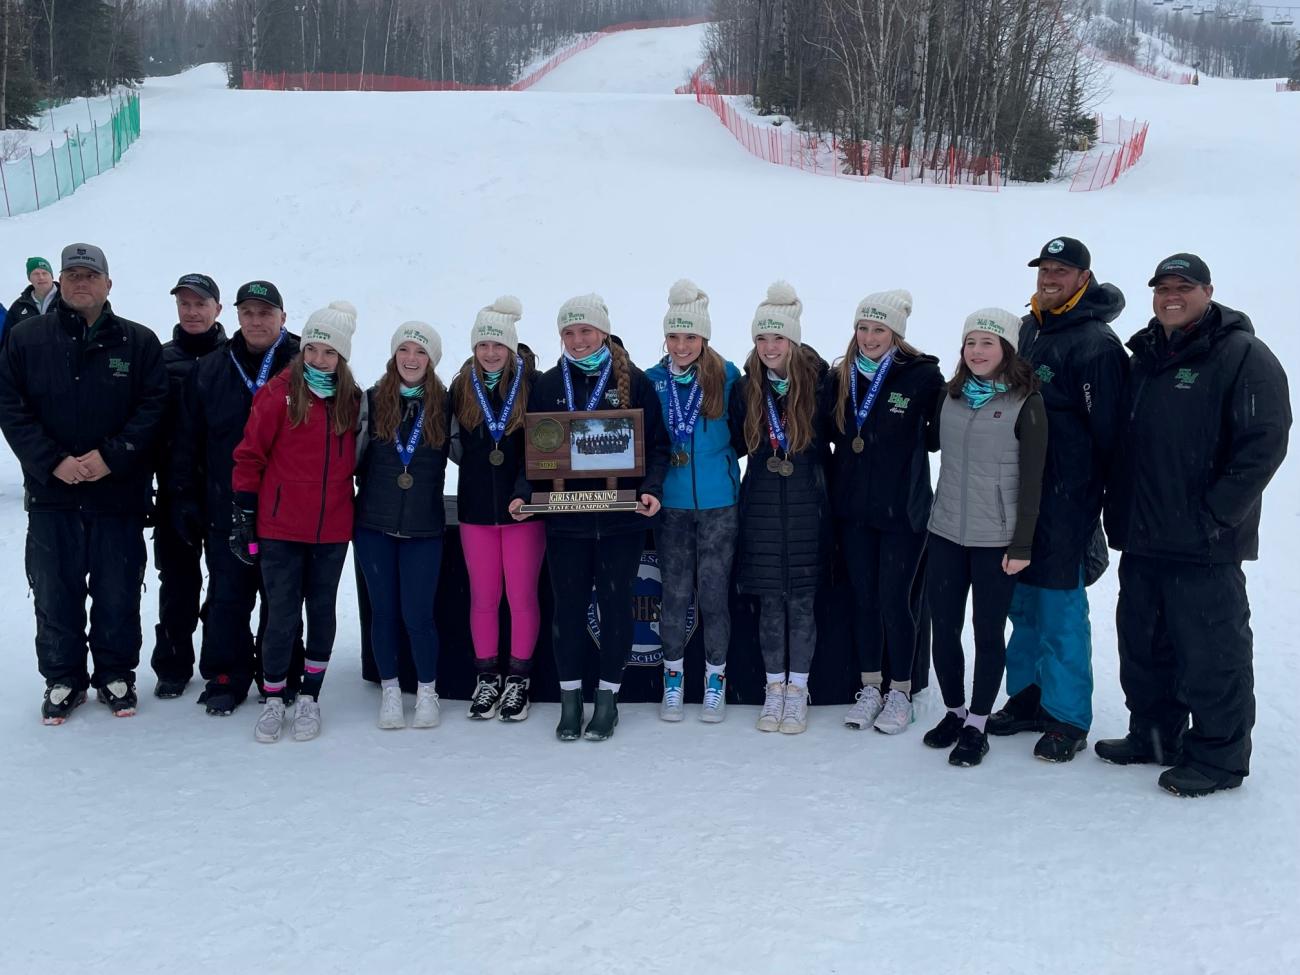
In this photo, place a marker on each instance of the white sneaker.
(715, 698)
(270, 722)
(672, 708)
(896, 715)
(306, 719)
(391, 714)
(866, 708)
(769, 719)
(427, 712)
(794, 720)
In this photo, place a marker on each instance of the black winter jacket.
(784, 521)
(210, 424)
(1207, 424)
(887, 486)
(65, 390)
(383, 506)
(25, 307)
(1083, 369)
(547, 396)
(180, 356)
(484, 492)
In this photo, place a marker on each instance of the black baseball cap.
(200, 284)
(260, 291)
(1067, 250)
(1187, 266)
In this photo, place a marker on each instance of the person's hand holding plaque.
(515, 513)
(649, 506)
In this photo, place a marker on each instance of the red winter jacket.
(302, 475)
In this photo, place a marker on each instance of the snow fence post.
(4, 184)
(57, 189)
(95, 129)
(31, 157)
(81, 151)
(72, 171)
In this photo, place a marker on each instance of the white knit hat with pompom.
(496, 323)
(688, 311)
(334, 326)
(996, 321)
(422, 334)
(779, 314)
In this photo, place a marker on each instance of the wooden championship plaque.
(583, 445)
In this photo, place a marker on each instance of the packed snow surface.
(173, 842)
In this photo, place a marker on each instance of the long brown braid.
(389, 406)
(800, 400)
(465, 403)
(622, 373)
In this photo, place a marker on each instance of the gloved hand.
(243, 534)
(187, 522)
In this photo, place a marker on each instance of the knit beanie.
(38, 264)
(422, 334)
(890, 308)
(332, 326)
(584, 310)
(688, 310)
(496, 323)
(779, 314)
(996, 321)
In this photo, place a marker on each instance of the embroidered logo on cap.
(1056, 246)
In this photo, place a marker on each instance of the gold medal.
(858, 445)
(786, 468)
(496, 458)
(405, 480)
(774, 464)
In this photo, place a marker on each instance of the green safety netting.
(39, 179)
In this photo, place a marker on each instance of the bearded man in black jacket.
(82, 395)
(1206, 428)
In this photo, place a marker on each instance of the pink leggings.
(515, 551)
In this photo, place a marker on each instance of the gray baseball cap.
(84, 255)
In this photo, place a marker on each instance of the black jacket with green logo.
(66, 390)
(1081, 368)
(1206, 427)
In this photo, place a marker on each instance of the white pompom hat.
(779, 313)
(996, 321)
(333, 325)
(496, 323)
(688, 311)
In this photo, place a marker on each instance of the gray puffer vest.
(979, 472)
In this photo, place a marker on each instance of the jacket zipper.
(965, 480)
(325, 479)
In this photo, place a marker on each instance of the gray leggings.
(695, 550)
(773, 614)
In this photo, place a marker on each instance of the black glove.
(243, 534)
(187, 522)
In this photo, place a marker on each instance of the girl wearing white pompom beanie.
(293, 507)
(695, 540)
(776, 422)
(488, 403)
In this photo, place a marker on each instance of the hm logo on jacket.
(898, 403)
(1185, 378)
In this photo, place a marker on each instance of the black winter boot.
(1136, 748)
(570, 726)
(972, 746)
(945, 733)
(1060, 743)
(1190, 783)
(604, 719)
(1023, 711)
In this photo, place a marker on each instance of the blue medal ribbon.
(868, 401)
(775, 431)
(599, 391)
(497, 424)
(264, 371)
(682, 419)
(407, 451)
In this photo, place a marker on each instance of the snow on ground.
(644, 61)
(171, 841)
(52, 124)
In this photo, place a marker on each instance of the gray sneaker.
(715, 699)
(866, 708)
(306, 719)
(769, 719)
(896, 714)
(270, 722)
(794, 719)
(672, 708)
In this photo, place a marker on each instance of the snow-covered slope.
(631, 62)
(172, 842)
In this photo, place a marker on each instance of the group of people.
(270, 459)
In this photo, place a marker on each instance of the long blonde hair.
(342, 408)
(844, 372)
(712, 370)
(465, 403)
(801, 401)
(389, 406)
